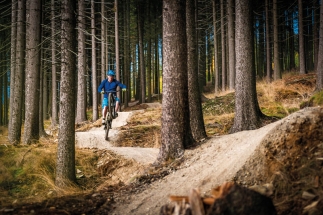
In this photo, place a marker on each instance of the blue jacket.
(107, 86)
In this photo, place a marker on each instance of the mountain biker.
(107, 85)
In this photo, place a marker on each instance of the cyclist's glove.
(102, 92)
(124, 89)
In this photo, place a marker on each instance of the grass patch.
(142, 130)
(318, 98)
(27, 172)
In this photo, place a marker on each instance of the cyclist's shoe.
(103, 121)
(116, 115)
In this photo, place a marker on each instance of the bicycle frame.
(110, 115)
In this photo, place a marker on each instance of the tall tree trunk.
(1, 95)
(106, 45)
(261, 52)
(116, 29)
(291, 43)
(141, 52)
(31, 128)
(216, 62)
(223, 47)
(16, 110)
(231, 53)
(268, 47)
(209, 57)
(308, 37)
(42, 82)
(277, 72)
(54, 74)
(127, 53)
(156, 73)
(319, 81)
(93, 65)
(134, 76)
(103, 43)
(316, 35)
(45, 87)
(149, 57)
(13, 39)
(247, 111)
(81, 65)
(174, 80)
(302, 69)
(202, 60)
(194, 96)
(65, 168)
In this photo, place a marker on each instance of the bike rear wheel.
(106, 128)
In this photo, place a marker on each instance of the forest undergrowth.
(27, 172)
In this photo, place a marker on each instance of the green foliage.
(275, 111)
(318, 98)
(219, 105)
(315, 100)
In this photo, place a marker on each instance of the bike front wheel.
(111, 106)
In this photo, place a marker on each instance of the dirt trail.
(94, 138)
(216, 161)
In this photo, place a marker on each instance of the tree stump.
(228, 199)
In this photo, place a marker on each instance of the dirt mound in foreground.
(291, 159)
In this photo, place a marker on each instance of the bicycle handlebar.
(111, 91)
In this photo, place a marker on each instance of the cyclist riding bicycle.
(110, 85)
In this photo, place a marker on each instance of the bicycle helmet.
(111, 73)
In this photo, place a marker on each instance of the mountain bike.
(111, 113)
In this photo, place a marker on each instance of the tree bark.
(12, 56)
(174, 80)
(268, 47)
(81, 65)
(247, 111)
(291, 43)
(277, 72)
(141, 52)
(302, 60)
(149, 57)
(127, 64)
(216, 62)
(116, 29)
(54, 75)
(231, 44)
(316, 30)
(103, 41)
(14, 134)
(261, 52)
(319, 81)
(223, 48)
(93, 65)
(42, 83)
(65, 168)
(202, 57)
(194, 94)
(31, 128)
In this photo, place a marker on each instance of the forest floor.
(282, 159)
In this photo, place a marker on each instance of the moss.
(275, 111)
(318, 98)
(315, 100)
(219, 105)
